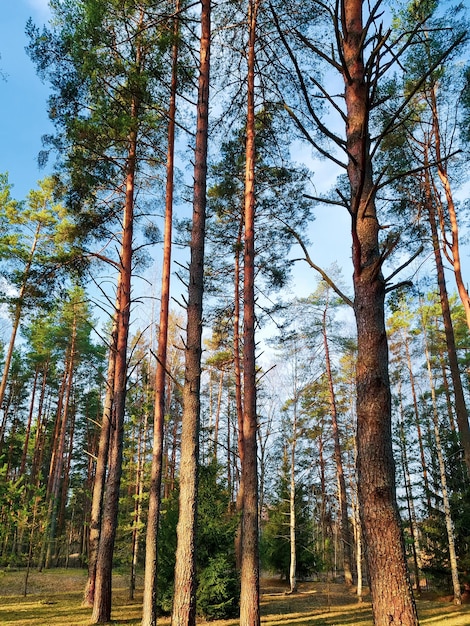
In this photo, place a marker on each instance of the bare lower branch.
(402, 267)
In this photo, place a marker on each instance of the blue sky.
(23, 98)
(24, 119)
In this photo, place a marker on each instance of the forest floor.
(54, 599)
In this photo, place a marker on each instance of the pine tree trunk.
(217, 415)
(459, 398)
(454, 256)
(149, 612)
(323, 496)
(138, 493)
(17, 316)
(58, 463)
(104, 562)
(67, 466)
(100, 472)
(40, 431)
(392, 597)
(184, 599)
(249, 593)
(445, 383)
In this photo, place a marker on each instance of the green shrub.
(218, 589)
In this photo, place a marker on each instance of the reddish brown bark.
(57, 461)
(392, 596)
(184, 600)
(149, 613)
(102, 599)
(459, 398)
(452, 248)
(249, 593)
(100, 473)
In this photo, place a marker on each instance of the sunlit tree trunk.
(442, 472)
(392, 597)
(149, 616)
(452, 248)
(100, 472)
(58, 459)
(418, 425)
(184, 599)
(249, 594)
(103, 578)
(459, 398)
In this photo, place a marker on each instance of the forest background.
(306, 405)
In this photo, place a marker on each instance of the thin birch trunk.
(342, 496)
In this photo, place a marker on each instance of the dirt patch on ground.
(309, 596)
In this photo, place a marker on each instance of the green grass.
(54, 599)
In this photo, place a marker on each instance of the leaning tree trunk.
(459, 398)
(392, 597)
(17, 316)
(184, 599)
(443, 477)
(452, 248)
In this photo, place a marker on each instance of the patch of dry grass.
(54, 599)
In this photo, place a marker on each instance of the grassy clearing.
(54, 599)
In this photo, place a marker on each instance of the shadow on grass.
(316, 604)
(335, 617)
(62, 610)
